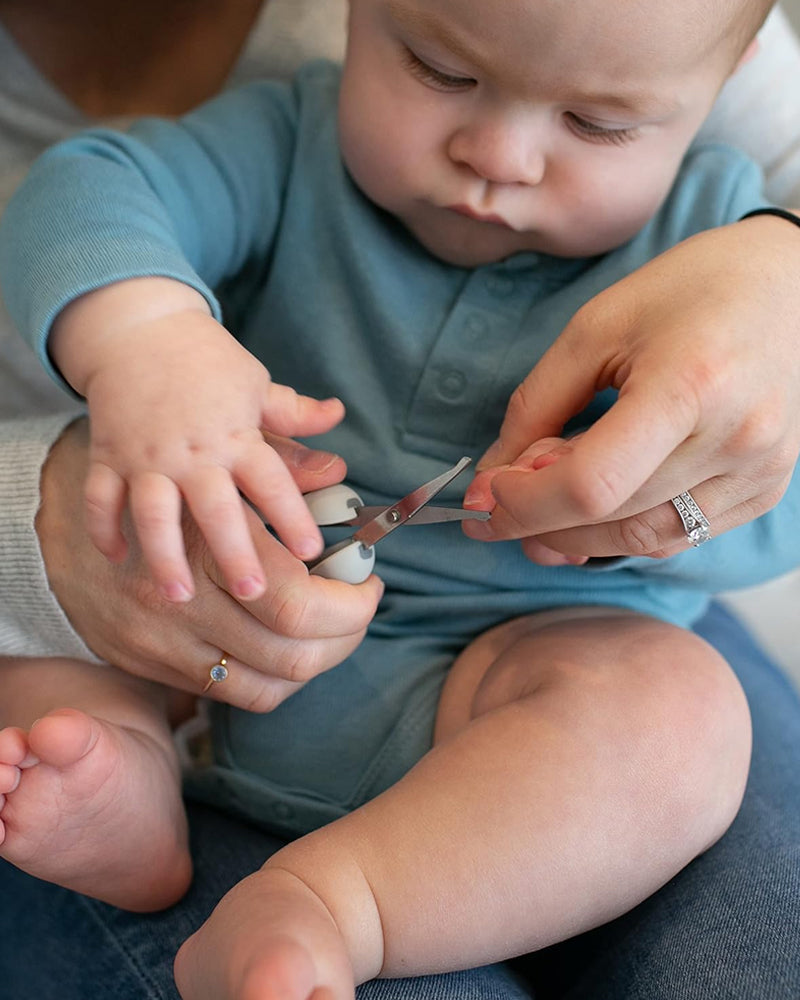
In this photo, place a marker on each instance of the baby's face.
(496, 126)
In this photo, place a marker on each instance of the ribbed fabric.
(31, 620)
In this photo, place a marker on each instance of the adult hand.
(702, 345)
(302, 626)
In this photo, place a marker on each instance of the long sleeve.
(196, 200)
(31, 620)
(33, 413)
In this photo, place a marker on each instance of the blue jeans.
(725, 928)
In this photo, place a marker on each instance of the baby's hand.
(177, 408)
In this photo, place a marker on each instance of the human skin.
(558, 156)
(121, 60)
(543, 760)
(553, 157)
(673, 427)
(678, 372)
(573, 774)
(148, 353)
(715, 325)
(302, 626)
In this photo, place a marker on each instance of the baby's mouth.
(490, 217)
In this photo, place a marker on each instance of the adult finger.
(564, 380)
(311, 468)
(658, 531)
(296, 604)
(243, 685)
(105, 495)
(610, 462)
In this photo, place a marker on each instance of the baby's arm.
(177, 408)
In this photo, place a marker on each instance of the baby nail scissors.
(353, 559)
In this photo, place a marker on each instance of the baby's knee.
(712, 724)
(653, 701)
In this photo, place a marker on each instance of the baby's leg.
(582, 758)
(90, 794)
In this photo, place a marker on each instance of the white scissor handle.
(336, 504)
(348, 560)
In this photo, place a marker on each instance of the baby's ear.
(747, 55)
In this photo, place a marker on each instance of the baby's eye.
(600, 133)
(433, 77)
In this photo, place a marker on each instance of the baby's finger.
(105, 495)
(215, 504)
(155, 503)
(267, 482)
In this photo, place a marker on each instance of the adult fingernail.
(312, 460)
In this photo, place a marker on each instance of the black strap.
(780, 212)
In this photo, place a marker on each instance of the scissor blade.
(392, 517)
(425, 515)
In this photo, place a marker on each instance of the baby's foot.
(270, 938)
(95, 807)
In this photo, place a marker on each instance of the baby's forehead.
(703, 20)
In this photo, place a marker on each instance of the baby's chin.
(475, 245)
(470, 244)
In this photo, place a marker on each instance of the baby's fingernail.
(478, 496)
(177, 592)
(481, 531)
(249, 586)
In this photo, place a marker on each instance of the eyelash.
(443, 81)
(433, 77)
(597, 133)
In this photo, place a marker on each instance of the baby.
(516, 752)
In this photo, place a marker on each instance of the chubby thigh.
(652, 710)
(581, 759)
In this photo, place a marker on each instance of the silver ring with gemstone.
(695, 523)
(217, 673)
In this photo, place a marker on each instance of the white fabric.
(759, 110)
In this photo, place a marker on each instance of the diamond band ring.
(695, 523)
(217, 674)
